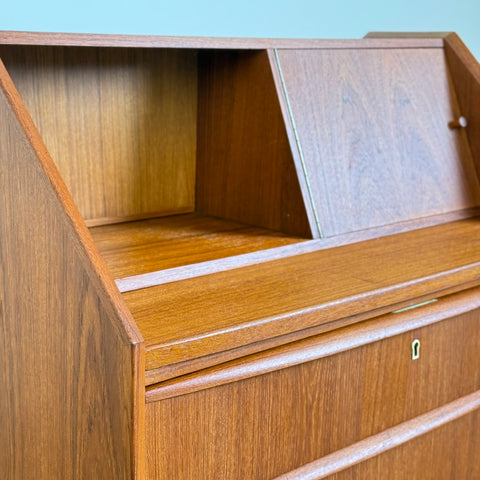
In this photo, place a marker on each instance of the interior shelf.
(134, 248)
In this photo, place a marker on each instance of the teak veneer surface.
(201, 316)
(295, 359)
(247, 429)
(319, 346)
(417, 444)
(144, 246)
(71, 380)
(373, 125)
(450, 452)
(156, 41)
(120, 124)
(245, 169)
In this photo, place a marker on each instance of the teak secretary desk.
(239, 259)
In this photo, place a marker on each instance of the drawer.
(267, 414)
(448, 447)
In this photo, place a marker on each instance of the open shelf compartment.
(173, 156)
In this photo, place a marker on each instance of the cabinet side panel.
(465, 72)
(245, 169)
(69, 376)
(120, 124)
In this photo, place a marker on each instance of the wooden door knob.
(460, 122)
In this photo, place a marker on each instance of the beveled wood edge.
(387, 299)
(94, 263)
(176, 274)
(156, 41)
(317, 347)
(410, 35)
(388, 439)
(163, 373)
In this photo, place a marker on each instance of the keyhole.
(416, 349)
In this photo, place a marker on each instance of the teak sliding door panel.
(71, 385)
(120, 124)
(373, 129)
(245, 170)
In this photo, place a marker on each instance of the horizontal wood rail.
(317, 347)
(153, 41)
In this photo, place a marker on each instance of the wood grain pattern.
(373, 128)
(169, 372)
(245, 170)
(300, 247)
(411, 35)
(120, 124)
(319, 346)
(154, 41)
(295, 358)
(202, 316)
(399, 435)
(71, 383)
(465, 72)
(270, 424)
(137, 247)
(452, 451)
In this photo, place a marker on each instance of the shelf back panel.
(372, 127)
(119, 123)
(245, 169)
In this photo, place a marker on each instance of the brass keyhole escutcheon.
(416, 349)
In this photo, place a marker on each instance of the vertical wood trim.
(71, 394)
(139, 447)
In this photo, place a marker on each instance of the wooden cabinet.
(239, 259)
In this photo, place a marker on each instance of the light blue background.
(247, 18)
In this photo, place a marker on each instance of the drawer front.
(449, 452)
(269, 424)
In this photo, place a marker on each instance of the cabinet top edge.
(155, 41)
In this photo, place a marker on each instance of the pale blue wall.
(261, 18)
